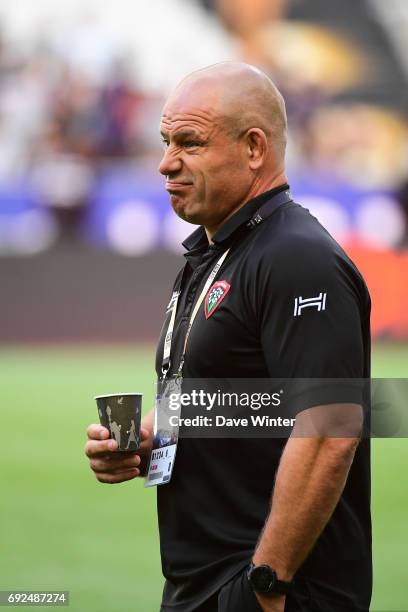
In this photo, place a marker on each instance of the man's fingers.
(113, 464)
(97, 432)
(94, 448)
(120, 476)
(108, 464)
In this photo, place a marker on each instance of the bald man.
(255, 524)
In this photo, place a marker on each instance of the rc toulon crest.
(215, 296)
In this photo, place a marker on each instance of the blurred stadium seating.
(81, 87)
(89, 247)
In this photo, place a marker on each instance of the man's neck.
(255, 191)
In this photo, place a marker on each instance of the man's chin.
(185, 210)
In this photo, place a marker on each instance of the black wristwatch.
(263, 579)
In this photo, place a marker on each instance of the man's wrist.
(264, 580)
(282, 571)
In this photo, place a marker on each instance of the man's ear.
(257, 146)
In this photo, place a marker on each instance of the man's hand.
(111, 466)
(271, 603)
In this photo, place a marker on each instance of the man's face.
(205, 166)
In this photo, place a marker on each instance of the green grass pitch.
(60, 529)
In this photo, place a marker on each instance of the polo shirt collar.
(198, 239)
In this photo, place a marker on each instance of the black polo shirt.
(212, 511)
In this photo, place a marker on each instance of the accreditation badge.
(166, 431)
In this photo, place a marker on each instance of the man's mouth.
(177, 185)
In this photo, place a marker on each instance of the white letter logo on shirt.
(318, 302)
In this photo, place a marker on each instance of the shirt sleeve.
(311, 310)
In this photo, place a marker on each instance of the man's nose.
(170, 162)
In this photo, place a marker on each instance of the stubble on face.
(194, 130)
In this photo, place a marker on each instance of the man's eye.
(165, 143)
(189, 144)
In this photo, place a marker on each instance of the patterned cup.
(121, 414)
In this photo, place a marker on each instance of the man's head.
(224, 129)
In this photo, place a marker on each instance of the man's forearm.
(310, 479)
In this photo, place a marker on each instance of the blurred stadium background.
(89, 247)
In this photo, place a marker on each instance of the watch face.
(263, 578)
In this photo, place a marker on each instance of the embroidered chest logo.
(318, 302)
(215, 296)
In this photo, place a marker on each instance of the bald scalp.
(243, 97)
